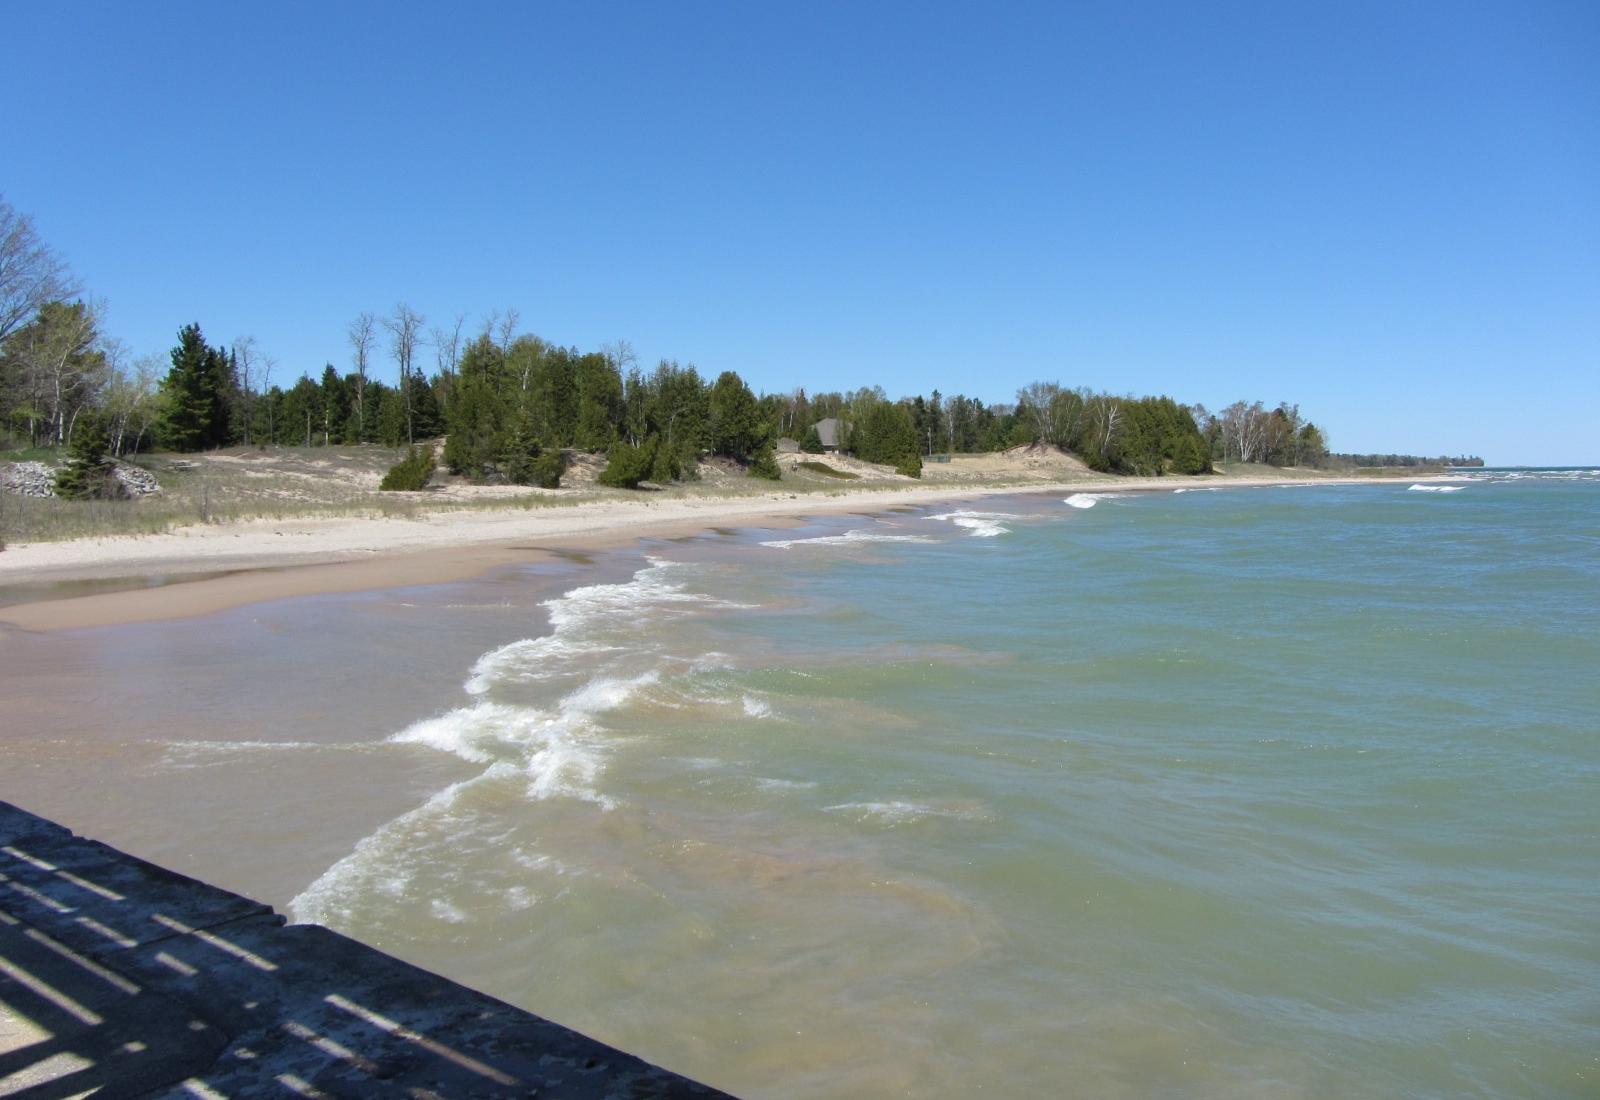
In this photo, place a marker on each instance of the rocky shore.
(35, 479)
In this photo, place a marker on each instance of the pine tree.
(411, 473)
(88, 474)
(736, 427)
(198, 390)
(764, 463)
(627, 465)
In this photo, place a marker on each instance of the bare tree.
(30, 272)
(268, 365)
(361, 334)
(621, 355)
(506, 328)
(245, 360)
(405, 333)
(447, 347)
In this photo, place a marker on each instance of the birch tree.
(31, 274)
(361, 333)
(405, 333)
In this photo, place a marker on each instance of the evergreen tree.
(736, 426)
(599, 402)
(411, 473)
(477, 436)
(198, 388)
(335, 405)
(88, 474)
(525, 462)
(627, 465)
(764, 463)
(886, 434)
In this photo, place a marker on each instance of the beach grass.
(827, 471)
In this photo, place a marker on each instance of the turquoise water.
(1265, 792)
(1256, 792)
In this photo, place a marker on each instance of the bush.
(88, 474)
(1191, 456)
(411, 473)
(668, 466)
(546, 470)
(530, 465)
(765, 463)
(812, 443)
(828, 471)
(627, 465)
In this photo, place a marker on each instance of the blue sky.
(1389, 213)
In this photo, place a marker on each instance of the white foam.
(530, 660)
(605, 693)
(520, 897)
(379, 863)
(1436, 488)
(467, 732)
(1089, 500)
(784, 784)
(181, 755)
(560, 753)
(585, 624)
(756, 708)
(849, 538)
(982, 524)
(443, 910)
(599, 653)
(896, 812)
(1201, 489)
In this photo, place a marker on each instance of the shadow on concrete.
(122, 979)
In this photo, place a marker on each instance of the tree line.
(509, 404)
(1404, 461)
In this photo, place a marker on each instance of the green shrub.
(411, 473)
(88, 474)
(828, 471)
(765, 463)
(812, 443)
(530, 465)
(627, 465)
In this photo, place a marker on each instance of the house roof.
(828, 431)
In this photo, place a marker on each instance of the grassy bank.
(241, 484)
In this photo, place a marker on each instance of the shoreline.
(259, 560)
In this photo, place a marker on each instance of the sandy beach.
(238, 563)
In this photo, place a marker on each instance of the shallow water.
(1257, 792)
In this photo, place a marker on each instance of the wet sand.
(245, 563)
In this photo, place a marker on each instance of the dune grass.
(827, 471)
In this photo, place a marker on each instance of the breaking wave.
(849, 538)
(981, 524)
(1089, 500)
(534, 721)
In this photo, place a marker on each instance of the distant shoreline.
(242, 563)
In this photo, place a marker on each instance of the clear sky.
(1387, 212)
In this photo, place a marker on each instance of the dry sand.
(247, 562)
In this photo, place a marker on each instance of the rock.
(28, 479)
(138, 481)
(35, 479)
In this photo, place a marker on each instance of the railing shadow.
(123, 979)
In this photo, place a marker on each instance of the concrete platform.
(119, 978)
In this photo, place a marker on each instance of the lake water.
(1268, 792)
